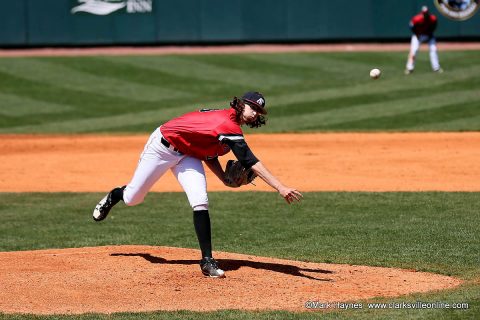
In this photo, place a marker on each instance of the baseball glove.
(236, 175)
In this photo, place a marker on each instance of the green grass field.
(306, 92)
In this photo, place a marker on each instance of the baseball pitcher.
(182, 145)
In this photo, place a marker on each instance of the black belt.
(169, 145)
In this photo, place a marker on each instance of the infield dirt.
(309, 162)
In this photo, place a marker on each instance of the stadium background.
(51, 22)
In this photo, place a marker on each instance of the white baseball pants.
(154, 161)
(415, 45)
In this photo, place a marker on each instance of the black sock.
(201, 221)
(117, 194)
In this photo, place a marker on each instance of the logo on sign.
(457, 9)
(106, 7)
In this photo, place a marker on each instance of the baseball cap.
(255, 100)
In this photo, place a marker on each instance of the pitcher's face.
(249, 114)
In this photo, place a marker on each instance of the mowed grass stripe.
(345, 115)
(44, 92)
(310, 116)
(417, 118)
(190, 66)
(306, 100)
(252, 75)
(269, 70)
(333, 114)
(34, 103)
(200, 74)
(462, 124)
(326, 70)
(414, 98)
(116, 122)
(117, 67)
(85, 104)
(43, 71)
(310, 62)
(330, 100)
(384, 90)
(454, 59)
(14, 105)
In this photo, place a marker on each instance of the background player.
(181, 145)
(423, 25)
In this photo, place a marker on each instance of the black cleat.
(210, 268)
(105, 205)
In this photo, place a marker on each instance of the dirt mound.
(145, 278)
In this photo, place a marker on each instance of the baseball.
(375, 73)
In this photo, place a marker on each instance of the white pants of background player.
(415, 45)
(155, 160)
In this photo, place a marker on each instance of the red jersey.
(200, 133)
(423, 25)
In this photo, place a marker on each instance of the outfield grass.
(304, 91)
(434, 232)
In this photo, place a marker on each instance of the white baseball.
(375, 73)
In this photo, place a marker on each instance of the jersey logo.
(457, 9)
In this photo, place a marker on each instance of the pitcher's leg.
(148, 171)
(155, 160)
(201, 222)
(191, 176)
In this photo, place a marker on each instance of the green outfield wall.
(108, 22)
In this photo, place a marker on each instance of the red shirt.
(199, 133)
(420, 25)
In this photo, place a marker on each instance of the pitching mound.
(144, 278)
